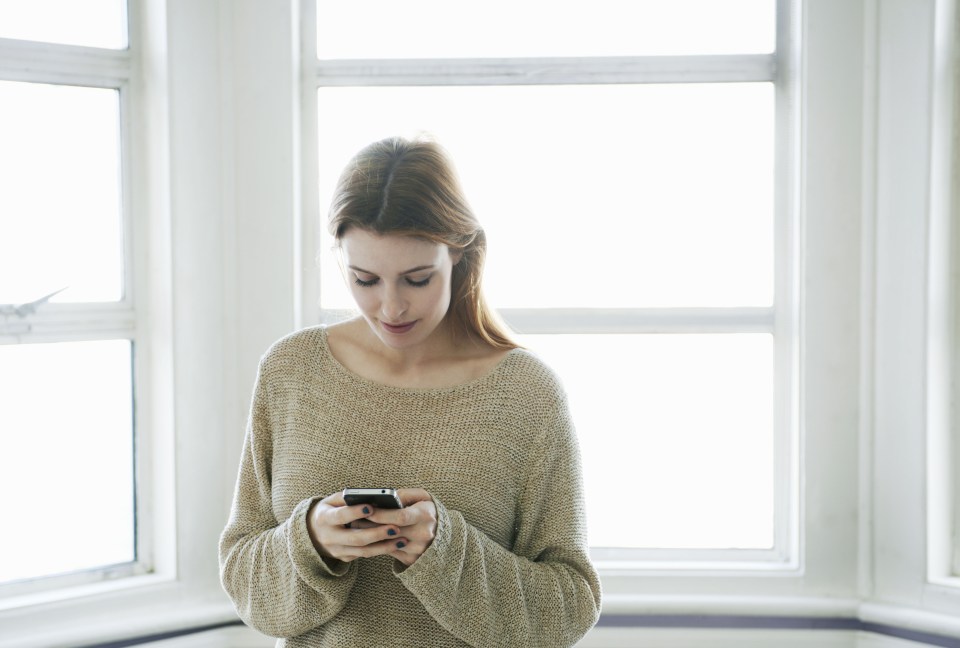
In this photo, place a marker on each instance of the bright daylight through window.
(66, 333)
(632, 226)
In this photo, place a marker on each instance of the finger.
(413, 495)
(381, 548)
(344, 515)
(363, 537)
(399, 517)
(407, 552)
(329, 504)
(422, 512)
(362, 524)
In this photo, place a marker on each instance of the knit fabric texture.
(509, 564)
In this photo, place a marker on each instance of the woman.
(425, 392)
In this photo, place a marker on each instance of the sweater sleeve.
(545, 592)
(277, 581)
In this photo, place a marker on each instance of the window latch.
(23, 310)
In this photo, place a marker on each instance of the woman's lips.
(397, 328)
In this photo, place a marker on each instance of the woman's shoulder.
(296, 347)
(533, 391)
(525, 370)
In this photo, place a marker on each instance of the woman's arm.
(544, 592)
(277, 580)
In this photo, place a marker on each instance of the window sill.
(836, 610)
(64, 594)
(703, 569)
(886, 614)
(109, 611)
(724, 605)
(947, 582)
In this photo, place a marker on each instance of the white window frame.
(112, 69)
(908, 514)
(947, 66)
(780, 320)
(199, 200)
(943, 323)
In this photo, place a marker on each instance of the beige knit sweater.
(509, 564)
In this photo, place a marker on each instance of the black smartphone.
(380, 497)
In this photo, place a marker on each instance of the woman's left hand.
(417, 521)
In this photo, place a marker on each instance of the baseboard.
(601, 637)
(727, 638)
(619, 637)
(717, 638)
(238, 636)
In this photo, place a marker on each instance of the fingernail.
(400, 544)
(391, 532)
(366, 510)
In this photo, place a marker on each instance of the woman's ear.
(455, 256)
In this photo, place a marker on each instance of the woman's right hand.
(329, 522)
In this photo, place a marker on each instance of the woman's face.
(401, 284)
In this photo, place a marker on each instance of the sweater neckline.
(342, 371)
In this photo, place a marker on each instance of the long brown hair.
(410, 188)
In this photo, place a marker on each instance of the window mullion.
(548, 71)
(619, 560)
(68, 322)
(63, 64)
(639, 320)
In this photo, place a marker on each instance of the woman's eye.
(419, 283)
(365, 284)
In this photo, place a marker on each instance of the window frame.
(948, 48)
(110, 69)
(912, 226)
(781, 320)
(943, 306)
(195, 365)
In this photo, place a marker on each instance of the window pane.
(502, 28)
(94, 23)
(66, 457)
(592, 196)
(60, 223)
(675, 429)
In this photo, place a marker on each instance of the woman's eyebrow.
(417, 269)
(405, 272)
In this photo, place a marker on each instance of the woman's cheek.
(365, 298)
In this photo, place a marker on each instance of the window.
(68, 343)
(631, 169)
(90, 23)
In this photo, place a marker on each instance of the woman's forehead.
(388, 251)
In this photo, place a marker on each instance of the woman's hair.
(410, 188)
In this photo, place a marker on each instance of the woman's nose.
(393, 306)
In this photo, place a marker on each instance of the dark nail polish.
(400, 544)
(391, 532)
(366, 511)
